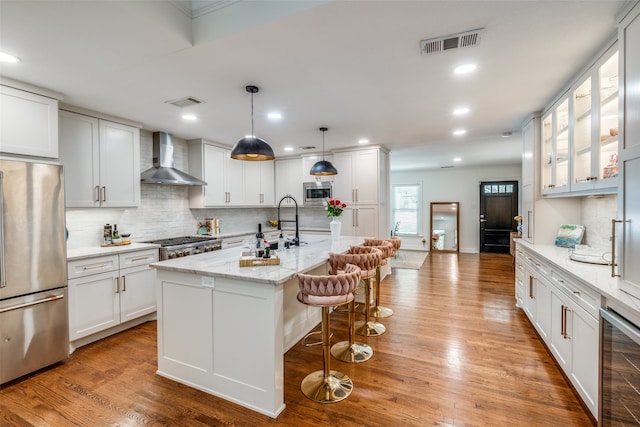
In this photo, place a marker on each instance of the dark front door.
(498, 207)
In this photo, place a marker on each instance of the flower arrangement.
(335, 207)
(518, 219)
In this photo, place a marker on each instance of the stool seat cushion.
(329, 290)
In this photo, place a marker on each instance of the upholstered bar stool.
(387, 252)
(327, 386)
(396, 242)
(368, 327)
(351, 351)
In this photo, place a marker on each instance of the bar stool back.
(327, 386)
(387, 252)
(368, 327)
(351, 351)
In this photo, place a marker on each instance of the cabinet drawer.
(132, 259)
(586, 298)
(90, 266)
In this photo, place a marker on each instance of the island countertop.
(313, 252)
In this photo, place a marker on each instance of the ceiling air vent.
(308, 147)
(454, 41)
(187, 101)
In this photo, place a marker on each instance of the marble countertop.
(93, 251)
(225, 263)
(595, 276)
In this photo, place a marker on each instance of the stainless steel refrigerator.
(34, 325)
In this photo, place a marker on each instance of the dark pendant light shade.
(252, 148)
(323, 167)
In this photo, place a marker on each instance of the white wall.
(455, 185)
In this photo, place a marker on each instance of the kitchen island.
(224, 329)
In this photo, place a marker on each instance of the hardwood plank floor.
(457, 352)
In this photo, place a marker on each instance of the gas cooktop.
(176, 241)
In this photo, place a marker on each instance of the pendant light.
(250, 147)
(323, 167)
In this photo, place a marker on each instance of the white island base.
(226, 334)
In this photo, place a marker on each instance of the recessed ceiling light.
(507, 134)
(464, 69)
(5, 57)
(274, 116)
(288, 148)
(457, 159)
(363, 141)
(459, 132)
(190, 117)
(460, 111)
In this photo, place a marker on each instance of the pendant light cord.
(323, 145)
(252, 133)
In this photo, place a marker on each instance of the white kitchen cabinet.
(555, 149)
(362, 183)
(101, 160)
(106, 291)
(595, 127)
(230, 182)
(530, 140)
(28, 123)
(628, 200)
(564, 312)
(358, 178)
(361, 220)
(289, 179)
(574, 344)
(259, 183)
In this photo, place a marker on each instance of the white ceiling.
(351, 65)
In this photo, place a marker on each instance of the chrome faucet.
(296, 240)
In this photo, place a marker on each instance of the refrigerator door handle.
(32, 303)
(3, 275)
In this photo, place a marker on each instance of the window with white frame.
(405, 211)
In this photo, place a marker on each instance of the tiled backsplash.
(596, 216)
(164, 211)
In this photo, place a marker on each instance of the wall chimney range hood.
(163, 171)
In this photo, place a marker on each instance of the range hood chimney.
(163, 171)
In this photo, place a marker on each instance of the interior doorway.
(498, 207)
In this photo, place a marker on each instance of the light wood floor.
(456, 352)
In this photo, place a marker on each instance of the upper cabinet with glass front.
(555, 149)
(580, 134)
(595, 132)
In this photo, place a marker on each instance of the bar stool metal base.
(327, 389)
(351, 353)
(370, 328)
(380, 312)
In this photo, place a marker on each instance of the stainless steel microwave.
(315, 193)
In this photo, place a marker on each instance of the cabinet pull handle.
(529, 213)
(104, 193)
(565, 310)
(97, 193)
(117, 280)
(531, 287)
(93, 267)
(140, 258)
(356, 199)
(124, 283)
(613, 246)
